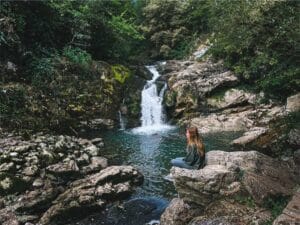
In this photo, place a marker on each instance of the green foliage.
(77, 56)
(11, 100)
(245, 200)
(42, 72)
(121, 73)
(183, 22)
(257, 40)
(125, 28)
(276, 206)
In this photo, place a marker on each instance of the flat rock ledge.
(227, 176)
(93, 192)
(229, 173)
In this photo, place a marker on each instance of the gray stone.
(97, 163)
(94, 192)
(65, 169)
(37, 183)
(293, 103)
(96, 141)
(92, 150)
(249, 137)
(233, 97)
(230, 173)
(7, 167)
(31, 170)
(177, 213)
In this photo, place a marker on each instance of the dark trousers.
(179, 162)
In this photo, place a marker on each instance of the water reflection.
(152, 154)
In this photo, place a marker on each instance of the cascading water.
(122, 122)
(153, 118)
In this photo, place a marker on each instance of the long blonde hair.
(195, 139)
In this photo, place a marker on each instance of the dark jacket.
(193, 158)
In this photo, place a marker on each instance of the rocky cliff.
(239, 187)
(242, 183)
(207, 95)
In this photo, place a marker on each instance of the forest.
(96, 96)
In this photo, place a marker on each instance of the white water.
(122, 122)
(153, 118)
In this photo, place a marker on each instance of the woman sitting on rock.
(195, 151)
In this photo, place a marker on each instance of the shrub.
(77, 56)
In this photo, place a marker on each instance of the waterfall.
(122, 122)
(153, 118)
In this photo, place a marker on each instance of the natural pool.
(151, 154)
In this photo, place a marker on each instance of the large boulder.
(220, 122)
(231, 173)
(191, 81)
(92, 193)
(240, 118)
(232, 97)
(177, 213)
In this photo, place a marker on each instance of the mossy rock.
(120, 73)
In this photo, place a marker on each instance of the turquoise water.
(152, 154)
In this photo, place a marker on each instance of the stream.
(149, 148)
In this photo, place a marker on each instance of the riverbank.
(235, 188)
(244, 186)
(51, 179)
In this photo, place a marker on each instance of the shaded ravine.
(149, 148)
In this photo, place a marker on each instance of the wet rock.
(97, 163)
(36, 201)
(92, 150)
(177, 213)
(64, 169)
(232, 173)
(293, 103)
(137, 211)
(93, 192)
(83, 160)
(31, 170)
(291, 213)
(40, 172)
(7, 217)
(294, 138)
